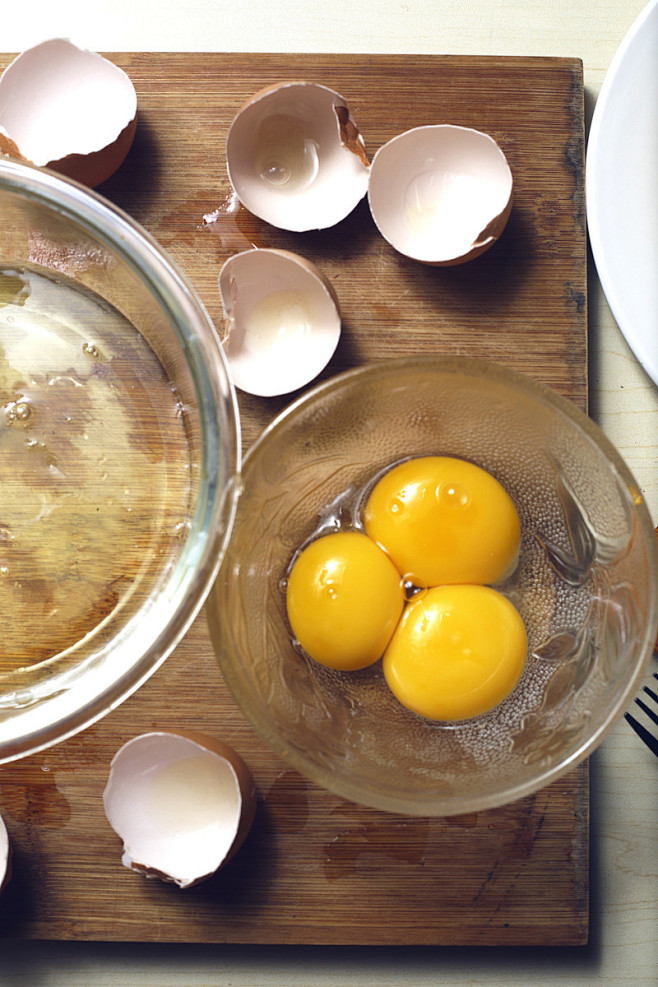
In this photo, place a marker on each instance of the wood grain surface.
(316, 869)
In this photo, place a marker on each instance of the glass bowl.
(586, 585)
(119, 452)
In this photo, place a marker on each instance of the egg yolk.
(444, 520)
(457, 652)
(344, 599)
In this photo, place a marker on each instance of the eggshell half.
(440, 194)
(69, 109)
(282, 320)
(295, 157)
(182, 803)
(5, 855)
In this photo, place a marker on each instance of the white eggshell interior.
(434, 191)
(175, 804)
(4, 852)
(283, 324)
(288, 163)
(57, 99)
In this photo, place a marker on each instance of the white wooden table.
(623, 947)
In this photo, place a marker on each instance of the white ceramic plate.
(622, 187)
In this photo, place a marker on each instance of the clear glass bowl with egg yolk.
(585, 585)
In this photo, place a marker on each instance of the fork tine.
(641, 731)
(650, 691)
(647, 709)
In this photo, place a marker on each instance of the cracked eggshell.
(5, 855)
(440, 194)
(282, 320)
(182, 803)
(68, 109)
(295, 157)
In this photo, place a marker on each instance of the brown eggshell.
(7, 146)
(5, 856)
(245, 781)
(67, 109)
(282, 319)
(295, 156)
(95, 168)
(440, 194)
(167, 836)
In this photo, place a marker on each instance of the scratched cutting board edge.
(316, 869)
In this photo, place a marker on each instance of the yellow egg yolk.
(457, 652)
(444, 520)
(344, 599)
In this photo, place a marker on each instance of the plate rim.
(637, 341)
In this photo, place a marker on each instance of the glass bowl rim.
(435, 806)
(221, 445)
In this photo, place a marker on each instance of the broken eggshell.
(295, 157)
(182, 803)
(440, 194)
(5, 855)
(67, 109)
(282, 320)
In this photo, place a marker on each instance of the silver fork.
(646, 735)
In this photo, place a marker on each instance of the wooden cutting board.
(316, 869)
